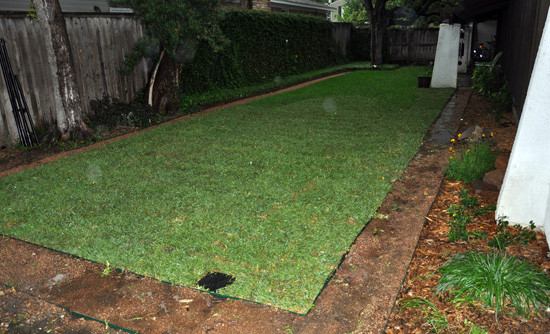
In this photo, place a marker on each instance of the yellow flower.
(468, 150)
(491, 134)
(383, 178)
(459, 135)
(450, 157)
(452, 140)
(450, 148)
(483, 135)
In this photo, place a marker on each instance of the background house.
(69, 6)
(339, 6)
(83, 6)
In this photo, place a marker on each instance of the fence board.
(412, 45)
(98, 43)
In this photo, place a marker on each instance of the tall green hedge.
(360, 44)
(262, 46)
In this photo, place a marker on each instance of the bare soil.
(45, 291)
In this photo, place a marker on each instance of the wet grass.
(272, 193)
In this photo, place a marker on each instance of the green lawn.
(272, 192)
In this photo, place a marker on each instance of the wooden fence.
(412, 45)
(98, 43)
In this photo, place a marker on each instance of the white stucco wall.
(446, 57)
(525, 193)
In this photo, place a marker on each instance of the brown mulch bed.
(434, 249)
(358, 299)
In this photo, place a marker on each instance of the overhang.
(306, 5)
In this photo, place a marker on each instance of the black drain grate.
(214, 281)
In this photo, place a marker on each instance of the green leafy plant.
(31, 14)
(107, 270)
(507, 235)
(459, 219)
(495, 280)
(462, 214)
(488, 80)
(474, 328)
(467, 201)
(471, 163)
(435, 319)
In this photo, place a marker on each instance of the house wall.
(98, 43)
(339, 6)
(520, 30)
(261, 5)
(525, 193)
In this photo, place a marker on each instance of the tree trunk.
(53, 23)
(378, 16)
(377, 44)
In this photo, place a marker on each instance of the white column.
(446, 57)
(464, 61)
(525, 193)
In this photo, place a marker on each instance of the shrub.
(114, 112)
(360, 44)
(262, 47)
(488, 80)
(472, 162)
(495, 280)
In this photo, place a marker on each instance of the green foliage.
(354, 12)
(31, 14)
(264, 47)
(507, 236)
(360, 44)
(488, 80)
(144, 47)
(495, 280)
(434, 319)
(461, 215)
(114, 112)
(467, 201)
(472, 162)
(459, 219)
(177, 24)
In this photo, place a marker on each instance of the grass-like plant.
(434, 319)
(272, 192)
(472, 162)
(496, 280)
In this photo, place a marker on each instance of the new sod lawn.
(273, 192)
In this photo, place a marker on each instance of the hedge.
(262, 46)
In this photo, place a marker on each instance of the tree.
(355, 13)
(69, 119)
(175, 27)
(384, 13)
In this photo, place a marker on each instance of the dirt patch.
(359, 298)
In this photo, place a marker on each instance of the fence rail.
(98, 44)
